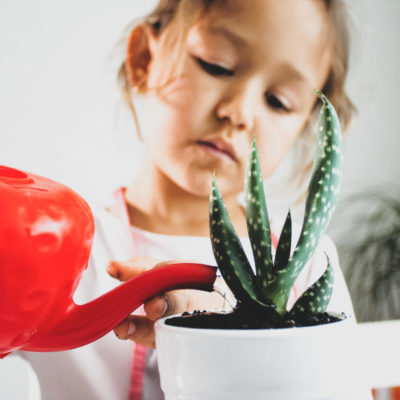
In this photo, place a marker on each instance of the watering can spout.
(83, 324)
(46, 233)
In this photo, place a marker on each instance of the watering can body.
(46, 233)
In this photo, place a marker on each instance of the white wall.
(58, 102)
(374, 84)
(58, 97)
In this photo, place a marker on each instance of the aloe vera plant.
(268, 288)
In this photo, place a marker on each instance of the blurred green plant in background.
(367, 233)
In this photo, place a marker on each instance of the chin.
(198, 182)
(202, 189)
(198, 187)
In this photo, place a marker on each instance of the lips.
(219, 147)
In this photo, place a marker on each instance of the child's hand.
(139, 328)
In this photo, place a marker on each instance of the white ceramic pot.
(272, 364)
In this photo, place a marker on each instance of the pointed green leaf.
(284, 245)
(228, 251)
(321, 200)
(316, 299)
(257, 221)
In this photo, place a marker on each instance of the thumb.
(178, 301)
(137, 328)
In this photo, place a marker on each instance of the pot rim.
(160, 325)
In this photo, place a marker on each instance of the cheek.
(181, 109)
(188, 94)
(273, 144)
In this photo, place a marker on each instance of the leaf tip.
(320, 95)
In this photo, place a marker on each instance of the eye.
(275, 103)
(213, 69)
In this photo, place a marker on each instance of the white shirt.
(101, 370)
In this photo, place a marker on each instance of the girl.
(211, 74)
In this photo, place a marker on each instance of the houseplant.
(370, 248)
(281, 363)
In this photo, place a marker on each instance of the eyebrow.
(232, 36)
(295, 73)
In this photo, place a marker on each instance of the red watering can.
(46, 233)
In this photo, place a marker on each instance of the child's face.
(249, 69)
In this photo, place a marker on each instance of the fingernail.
(131, 328)
(112, 270)
(165, 305)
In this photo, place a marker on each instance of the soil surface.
(240, 319)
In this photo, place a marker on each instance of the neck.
(158, 204)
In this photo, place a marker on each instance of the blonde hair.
(173, 18)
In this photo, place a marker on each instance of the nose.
(238, 107)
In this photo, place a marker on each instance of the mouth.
(219, 148)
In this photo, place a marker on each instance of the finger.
(170, 262)
(156, 307)
(125, 270)
(179, 301)
(137, 328)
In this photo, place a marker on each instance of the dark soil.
(243, 319)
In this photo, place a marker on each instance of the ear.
(138, 56)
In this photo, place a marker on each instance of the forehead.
(290, 32)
